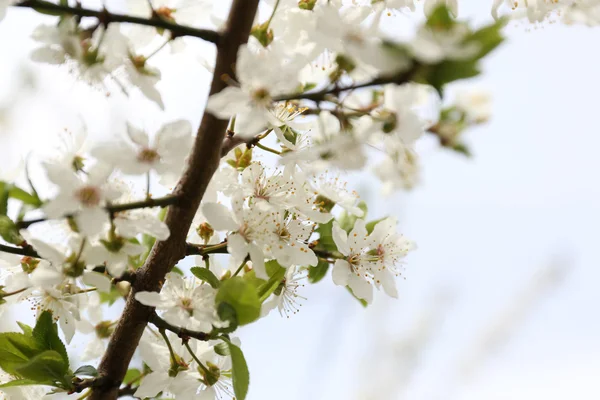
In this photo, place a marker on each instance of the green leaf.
(242, 296)
(46, 367)
(19, 382)
(27, 198)
(441, 19)
(449, 71)
(276, 273)
(361, 301)
(325, 237)
(4, 194)
(222, 349)
(240, 373)
(206, 275)
(16, 349)
(346, 220)
(462, 148)
(177, 270)
(9, 231)
(132, 375)
(87, 370)
(46, 334)
(315, 274)
(110, 297)
(226, 312)
(27, 330)
(488, 38)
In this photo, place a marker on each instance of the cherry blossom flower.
(185, 303)
(85, 198)
(352, 271)
(251, 102)
(288, 241)
(286, 298)
(180, 380)
(248, 231)
(166, 154)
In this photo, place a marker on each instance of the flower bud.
(29, 264)
(205, 231)
(263, 34)
(307, 4)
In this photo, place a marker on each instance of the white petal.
(152, 299)
(237, 247)
(228, 102)
(258, 262)
(341, 272)
(100, 281)
(219, 217)
(340, 238)
(137, 136)
(91, 221)
(152, 384)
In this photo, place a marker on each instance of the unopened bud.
(307, 4)
(29, 264)
(205, 231)
(263, 34)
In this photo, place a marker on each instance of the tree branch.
(321, 95)
(181, 332)
(202, 164)
(106, 18)
(115, 208)
(200, 250)
(21, 251)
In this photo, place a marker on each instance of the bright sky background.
(485, 227)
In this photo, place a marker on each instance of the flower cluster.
(320, 90)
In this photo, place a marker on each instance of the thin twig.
(21, 251)
(321, 95)
(105, 17)
(116, 208)
(181, 332)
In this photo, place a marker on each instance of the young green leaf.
(206, 275)
(47, 367)
(86, 370)
(19, 382)
(276, 273)
(318, 272)
(45, 333)
(131, 375)
(239, 369)
(242, 296)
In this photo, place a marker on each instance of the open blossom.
(85, 198)
(288, 241)
(267, 191)
(352, 271)
(183, 383)
(65, 264)
(369, 260)
(166, 154)
(251, 102)
(184, 303)
(93, 56)
(248, 230)
(286, 298)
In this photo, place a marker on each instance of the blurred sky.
(485, 228)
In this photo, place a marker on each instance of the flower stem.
(171, 352)
(265, 148)
(240, 268)
(187, 346)
(13, 293)
(272, 14)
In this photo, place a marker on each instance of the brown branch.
(115, 208)
(322, 95)
(203, 162)
(181, 332)
(21, 251)
(200, 250)
(106, 18)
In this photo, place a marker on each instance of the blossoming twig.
(321, 95)
(106, 17)
(115, 208)
(181, 332)
(22, 251)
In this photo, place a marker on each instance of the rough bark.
(203, 162)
